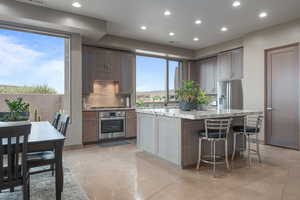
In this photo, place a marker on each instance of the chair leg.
(234, 145)
(249, 153)
(214, 157)
(200, 153)
(257, 148)
(26, 190)
(52, 168)
(226, 155)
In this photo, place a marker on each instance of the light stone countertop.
(107, 109)
(196, 115)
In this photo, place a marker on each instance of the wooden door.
(282, 97)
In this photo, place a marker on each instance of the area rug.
(42, 187)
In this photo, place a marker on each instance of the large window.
(156, 80)
(33, 68)
(31, 63)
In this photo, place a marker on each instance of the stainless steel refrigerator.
(230, 94)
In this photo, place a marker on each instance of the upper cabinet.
(103, 64)
(207, 71)
(126, 73)
(230, 65)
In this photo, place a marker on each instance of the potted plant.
(203, 100)
(18, 112)
(187, 96)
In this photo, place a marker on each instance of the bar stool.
(251, 127)
(216, 130)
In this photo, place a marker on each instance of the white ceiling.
(125, 17)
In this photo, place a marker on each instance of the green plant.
(188, 93)
(202, 98)
(140, 103)
(17, 108)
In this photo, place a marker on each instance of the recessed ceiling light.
(263, 14)
(196, 39)
(224, 29)
(236, 3)
(198, 21)
(171, 34)
(144, 27)
(167, 13)
(76, 4)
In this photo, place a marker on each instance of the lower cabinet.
(131, 124)
(160, 136)
(90, 127)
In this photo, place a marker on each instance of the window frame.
(166, 86)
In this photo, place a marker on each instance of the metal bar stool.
(216, 130)
(251, 127)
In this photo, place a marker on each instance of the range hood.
(105, 87)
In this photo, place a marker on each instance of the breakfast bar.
(172, 134)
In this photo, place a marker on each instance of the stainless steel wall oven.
(112, 125)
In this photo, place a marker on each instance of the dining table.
(44, 137)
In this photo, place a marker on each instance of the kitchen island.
(172, 134)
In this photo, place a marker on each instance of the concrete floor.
(124, 173)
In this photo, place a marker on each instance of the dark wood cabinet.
(103, 64)
(126, 78)
(131, 124)
(90, 127)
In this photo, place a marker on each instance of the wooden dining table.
(44, 137)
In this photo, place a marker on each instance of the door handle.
(269, 108)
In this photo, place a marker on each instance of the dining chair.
(63, 124)
(13, 165)
(47, 158)
(251, 127)
(55, 120)
(216, 130)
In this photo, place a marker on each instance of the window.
(156, 80)
(173, 79)
(31, 63)
(34, 68)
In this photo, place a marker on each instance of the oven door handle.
(115, 118)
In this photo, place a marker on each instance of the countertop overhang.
(197, 115)
(107, 109)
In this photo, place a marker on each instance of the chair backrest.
(63, 124)
(13, 149)
(56, 119)
(254, 121)
(220, 126)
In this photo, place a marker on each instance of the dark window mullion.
(167, 82)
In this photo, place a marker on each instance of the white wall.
(131, 44)
(74, 135)
(255, 45)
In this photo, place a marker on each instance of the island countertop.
(197, 115)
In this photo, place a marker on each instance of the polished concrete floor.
(124, 173)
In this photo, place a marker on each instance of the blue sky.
(151, 73)
(28, 59)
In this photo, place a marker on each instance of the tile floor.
(124, 173)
